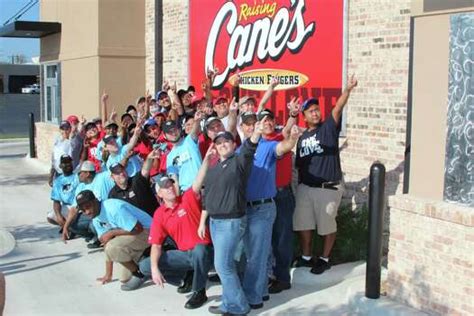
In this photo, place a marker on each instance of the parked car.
(31, 89)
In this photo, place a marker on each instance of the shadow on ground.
(34, 233)
(32, 264)
(24, 180)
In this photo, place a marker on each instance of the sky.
(17, 46)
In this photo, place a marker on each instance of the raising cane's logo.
(270, 35)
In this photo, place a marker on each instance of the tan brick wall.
(46, 134)
(378, 52)
(150, 46)
(430, 263)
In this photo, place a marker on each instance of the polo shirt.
(180, 223)
(64, 188)
(317, 154)
(226, 182)
(134, 164)
(184, 160)
(117, 214)
(137, 193)
(261, 183)
(284, 165)
(100, 186)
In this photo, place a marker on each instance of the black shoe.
(88, 238)
(187, 284)
(216, 310)
(278, 287)
(320, 266)
(197, 299)
(256, 306)
(214, 278)
(94, 245)
(265, 298)
(300, 262)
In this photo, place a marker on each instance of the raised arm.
(198, 181)
(196, 125)
(341, 102)
(154, 154)
(175, 101)
(268, 94)
(103, 103)
(287, 144)
(294, 108)
(233, 113)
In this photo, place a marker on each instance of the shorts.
(127, 248)
(64, 212)
(316, 207)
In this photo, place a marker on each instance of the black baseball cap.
(261, 115)
(124, 116)
(110, 124)
(89, 126)
(108, 139)
(65, 158)
(116, 168)
(308, 103)
(168, 126)
(226, 135)
(64, 125)
(163, 181)
(246, 116)
(84, 197)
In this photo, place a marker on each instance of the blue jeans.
(82, 226)
(257, 242)
(226, 234)
(282, 238)
(198, 259)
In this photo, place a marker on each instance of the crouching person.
(179, 218)
(122, 229)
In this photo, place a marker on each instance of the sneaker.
(277, 287)
(216, 310)
(187, 284)
(265, 298)
(320, 266)
(256, 306)
(300, 262)
(197, 300)
(94, 245)
(132, 284)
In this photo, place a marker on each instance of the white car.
(31, 89)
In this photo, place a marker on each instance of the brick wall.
(378, 51)
(46, 134)
(430, 264)
(150, 46)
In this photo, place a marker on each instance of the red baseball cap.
(72, 119)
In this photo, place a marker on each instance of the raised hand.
(352, 82)
(104, 97)
(294, 106)
(234, 106)
(165, 86)
(274, 82)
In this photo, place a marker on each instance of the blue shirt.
(184, 160)
(100, 186)
(261, 183)
(64, 188)
(117, 214)
(100, 147)
(134, 164)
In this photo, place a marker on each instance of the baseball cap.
(96, 120)
(160, 94)
(246, 99)
(65, 158)
(197, 98)
(181, 93)
(124, 116)
(149, 122)
(108, 139)
(226, 135)
(89, 126)
(110, 124)
(159, 114)
(261, 115)
(87, 166)
(210, 120)
(130, 108)
(72, 119)
(163, 181)
(168, 126)
(246, 116)
(116, 168)
(84, 197)
(219, 99)
(308, 103)
(64, 125)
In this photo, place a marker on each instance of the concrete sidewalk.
(44, 276)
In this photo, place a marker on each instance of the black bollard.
(31, 130)
(374, 251)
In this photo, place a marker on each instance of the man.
(62, 146)
(163, 101)
(212, 126)
(221, 107)
(184, 160)
(91, 140)
(179, 217)
(319, 191)
(62, 195)
(261, 209)
(225, 186)
(135, 190)
(122, 229)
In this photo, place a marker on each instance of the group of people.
(188, 182)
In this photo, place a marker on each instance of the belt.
(259, 202)
(324, 185)
(284, 188)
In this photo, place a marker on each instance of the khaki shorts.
(127, 248)
(316, 207)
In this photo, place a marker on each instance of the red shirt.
(91, 153)
(143, 150)
(180, 223)
(284, 164)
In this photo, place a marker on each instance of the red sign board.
(299, 42)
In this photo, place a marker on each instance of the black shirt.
(225, 184)
(317, 154)
(138, 193)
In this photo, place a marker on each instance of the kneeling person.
(122, 229)
(179, 218)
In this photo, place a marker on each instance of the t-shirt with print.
(317, 154)
(64, 188)
(184, 160)
(100, 186)
(134, 164)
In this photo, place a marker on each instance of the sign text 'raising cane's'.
(299, 42)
